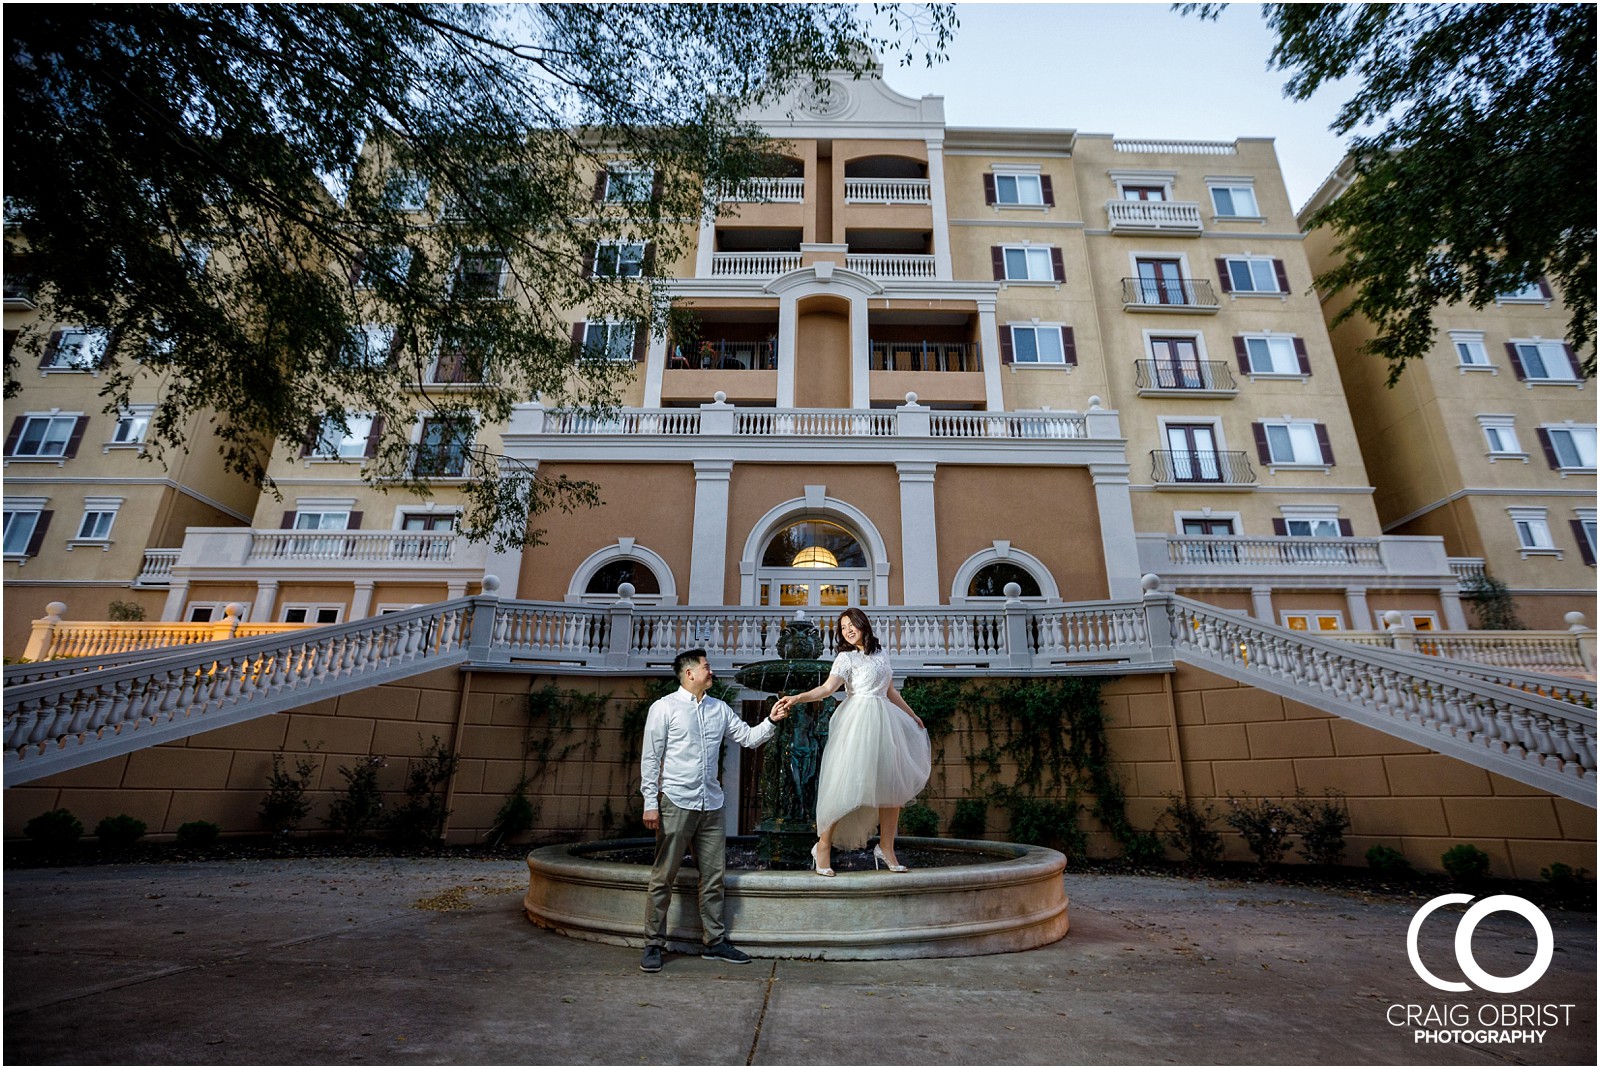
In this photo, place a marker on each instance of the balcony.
(924, 356)
(444, 461)
(1250, 561)
(1468, 570)
(848, 422)
(1181, 218)
(766, 191)
(891, 267)
(1183, 468)
(423, 555)
(1192, 295)
(1205, 378)
(753, 264)
(725, 354)
(887, 191)
(157, 569)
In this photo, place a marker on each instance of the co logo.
(1502, 985)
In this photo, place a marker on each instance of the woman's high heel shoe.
(877, 856)
(816, 865)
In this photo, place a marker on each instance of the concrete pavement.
(403, 961)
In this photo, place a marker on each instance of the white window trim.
(629, 549)
(1018, 170)
(1030, 281)
(1504, 422)
(216, 607)
(412, 182)
(1269, 336)
(312, 608)
(35, 505)
(1472, 337)
(1530, 381)
(1586, 516)
(1294, 465)
(644, 249)
(416, 444)
(431, 508)
(112, 505)
(1410, 620)
(1254, 257)
(1034, 324)
(1310, 616)
(365, 273)
(314, 457)
(1231, 182)
(1524, 514)
(1538, 298)
(1178, 518)
(621, 167)
(67, 369)
(58, 459)
(385, 607)
(1121, 178)
(1569, 426)
(147, 412)
(993, 553)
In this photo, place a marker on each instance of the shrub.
(1389, 861)
(285, 804)
(1562, 875)
(1041, 822)
(1142, 848)
(198, 833)
(356, 810)
(1264, 824)
(1465, 863)
(518, 814)
(55, 829)
(125, 612)
(971, 819)
(119, 832)
(1190, 830)
(421, 818)
(1321, 824)
(1492, 604)
(918, 819)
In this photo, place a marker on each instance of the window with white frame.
(619, 259)
(1234, 199)
(1272, 354)
(206, 612)
(1018, 188)
(344, 441)
(75, 349)
(99, 513)
(1584, 528)
(133, 423)
(1573, 446)
(1311, 526)
(1470, 351)
(480, 276)
(1294, 442)
(406, 192)
(312, 614)
(1028, 263)
(391, 262)
(22, 520)
(1037, 345)
(1416, 621)
(1535, 291)
(629, 184)
(1533, 530)
(609, 339)
(44, 436)
(370, 345)
(1253, 274)
(1544, 361)
(1314, 621)
(322, 519)
(1500, 432)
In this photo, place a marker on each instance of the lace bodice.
(864, 673)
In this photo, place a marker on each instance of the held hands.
(778, 713)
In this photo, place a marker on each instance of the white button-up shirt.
(682, 745)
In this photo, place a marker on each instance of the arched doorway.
(814, 563)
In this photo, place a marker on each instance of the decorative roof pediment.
(848, 105)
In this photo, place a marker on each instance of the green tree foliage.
(232, 191)
(1474, 156)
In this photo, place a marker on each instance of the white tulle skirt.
(876, 756)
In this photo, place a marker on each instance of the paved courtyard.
(386, 961)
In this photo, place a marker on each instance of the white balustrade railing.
(1275, 552)
(888, 191)
(1167, 215)
(1008, 425)
(526, 630)
(157, 568)
(891, 266)
(1176, 148)
(1530, 738)
(856, 422)
(829, 422)
(1467, 569)
(775, 190)
(626, 421)
(1557, 653)
(434, 547)
(753, 264)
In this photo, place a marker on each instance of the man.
(683, 801)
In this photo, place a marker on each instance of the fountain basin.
(1009, 897)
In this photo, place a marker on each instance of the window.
(1236, 200)
(1470, 352)
(205, 612)
(1293, 442)
(75, 349)
(1192, 455)
(313, 614)
(608, 577)
(1313, 621)
(1176, 363)
(480, 276)
(990, 581)
(1272, 354)
(1028, 263)
(1133, 192)
(443, 447)
(1501, 434)
(98, 516)
(609, 340)
(1020, 187)
(370, 345)
(24, 530)
(46, 436)
(132, 425)
(1161, 282)
(406, 192)
(391, 262)
(459, 362)
(322, 520)
(1204, 525)
(1311, 527)
(618, 259)
(1536, 291)
(1583, 528)
(1252, 274)
(1542, 361)
(1569, 448)
(1533, 531)
(351, 440)
(627, 185)
(1037, 345)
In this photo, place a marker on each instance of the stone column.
(708, 554)
(361, 601)
(989, 340)
(655, 363)
(860, 353)
(1355, 599)
(266, 601)
(942, 268)
(788, 332)
(918, 525)
(1261, 603)
(1117, 541)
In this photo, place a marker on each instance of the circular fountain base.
(1008, 897)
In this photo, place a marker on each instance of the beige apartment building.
(1487, 443)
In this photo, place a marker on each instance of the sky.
(1138, 70)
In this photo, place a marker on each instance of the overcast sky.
(1135, 70)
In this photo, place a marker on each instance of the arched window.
(814, 544)
(990, 581)
(609, 576)
(814, 563)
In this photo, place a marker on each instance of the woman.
(877, 757)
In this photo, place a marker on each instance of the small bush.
(918, 819)
(125, 612)
(285, 804)
(1562, 875)
(421, 818)
(1264, 824)
(971, 819)
(119, 832)
(55, 829)
(198, 833)
(1191, 830)
(1465, 863)
(1389, 861)
(1041, 822)
(356, 810)
(1321, 824)
(518, 814)
(1142, 848)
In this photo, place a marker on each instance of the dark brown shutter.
(288, 521)
(374, 436)
(589, 258)
(36, 539)
(1516, 361)
(1263, 450)
(50, 347)
(1224, 282)
(1572, 358)
(641, 343)
(14, 435)
(1549, 448)
(1069, 346)
(997, 255)
(76, 438)
(600, 185)
(1280, 527)
(1544, 288)
(1005, 345)
(1304, 357)
(1582, 536)
(1241, 350)
(656, 184)
(1047, 191)
(578, 329)
(1323, 444)
(988, 189)
(648, 264)
(1346, 529)
(1283, 276)
(1056, 265)
(354, 522)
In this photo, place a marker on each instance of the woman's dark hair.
(869, 641)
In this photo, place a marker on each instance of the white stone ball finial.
(1393, 618)
(55, 610)
(1576, 621)
(720, 397)
(1013, 591)
(1150, 582)
(1094, 403)
(491, 583)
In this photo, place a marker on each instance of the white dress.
(876, 754)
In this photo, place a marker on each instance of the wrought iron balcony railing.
(1207, 375)
(725, 355)
(924, 356)
(1175, 294)
(1194, 466)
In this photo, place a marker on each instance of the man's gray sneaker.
(726, 951)
(651, 962)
